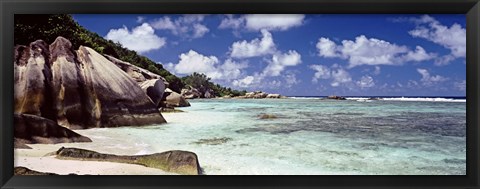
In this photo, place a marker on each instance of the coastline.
(37, 157)
(240, 151)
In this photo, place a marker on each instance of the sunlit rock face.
(78, 88)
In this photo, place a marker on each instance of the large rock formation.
(209, 93)
(138, 74)
(191, 93)
(78, 89)
(32, 78)
(182, 162)
(151, 84)
(154, 88)
(35, 129)
(273, 96)
(260, 94)
(174, 99)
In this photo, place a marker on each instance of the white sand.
(64, 167)
(35, 159)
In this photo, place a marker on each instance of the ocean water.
(310, 136)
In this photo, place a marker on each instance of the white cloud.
(291, 79)
(419, 55)
(322, 72)
(141, 39)
(461, 85)
(366, 82)
(231, 22)
(428, 79)
(444, 60)
(370, 51)
(192, 61)
(280, 61)
(195, 62)
(340, 76)
(231, 69)
(277, 64)
(168, 66)
(245, 82)
(336, 73)
(256, 22)
(140, 19)
(412, 84)
(199, 30)
(327, 48)
(187, 26)
(256, 47)
(165, 23)
(377, 70)
(274, 84)
(452, 38)
(273, 21)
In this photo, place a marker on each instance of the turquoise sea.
(310, 136)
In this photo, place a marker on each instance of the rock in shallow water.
(213, 141)
(336, 97)
(176, 100)
(267, 116)
(36, 129)
(181, 162)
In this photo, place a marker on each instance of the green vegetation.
(29, 28)
(202, 82)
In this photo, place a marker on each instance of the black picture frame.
(471, 8)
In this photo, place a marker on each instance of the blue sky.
(303, 55)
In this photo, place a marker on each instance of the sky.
(302, 55)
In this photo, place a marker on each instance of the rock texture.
(209, 93)
(26, 171)
(138, 74)
(174, 99)
(213, 141)
(267, 116)
(260, 94)
(202, 92)
(182, 162)
(154, 88)
(333, 97)
(273, 96)
(78, 89)
(32, 78)
(21, 144)
(36, 129)
(191, 93)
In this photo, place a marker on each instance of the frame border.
(471, 8)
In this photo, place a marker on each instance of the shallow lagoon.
(309, 136)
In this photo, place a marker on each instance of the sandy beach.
(38, 160)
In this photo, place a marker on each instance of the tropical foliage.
(202, 82)
(29, 28)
